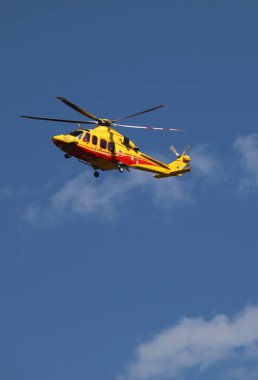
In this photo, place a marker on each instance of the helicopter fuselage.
(105, 149)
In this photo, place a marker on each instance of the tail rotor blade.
(174, 151)
(186, 150)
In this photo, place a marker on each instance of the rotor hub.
(106, 122)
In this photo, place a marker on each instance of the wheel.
(67, 155)
(96, 174)
(121, 169)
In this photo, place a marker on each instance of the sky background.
(126, 277)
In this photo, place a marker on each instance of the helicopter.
(103, 148)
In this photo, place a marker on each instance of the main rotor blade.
(59, 120)
(139, 113)
(150, 128)
(78, 109)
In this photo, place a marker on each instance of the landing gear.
(96, 174)
(67, 155)
(121, 169)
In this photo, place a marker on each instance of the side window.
(87, 137)
(94, 140)
(103, 144)
(111, 146)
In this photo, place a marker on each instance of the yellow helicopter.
(104, 148)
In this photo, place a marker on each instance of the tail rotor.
(173, 149)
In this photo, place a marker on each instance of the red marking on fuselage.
(87, 154)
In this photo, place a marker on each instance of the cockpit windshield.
(77, 134)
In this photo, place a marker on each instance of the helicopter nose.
(57, 139)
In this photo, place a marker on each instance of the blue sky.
(126, 277)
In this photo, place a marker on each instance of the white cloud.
(83, 197)
(247, 146)
(103, 197)
(197, 344)
(204, 164)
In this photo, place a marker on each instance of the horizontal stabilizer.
(177, 173)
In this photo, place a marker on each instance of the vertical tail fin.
(182, 163)
(179, 166)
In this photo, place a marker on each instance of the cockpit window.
(77, 134)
